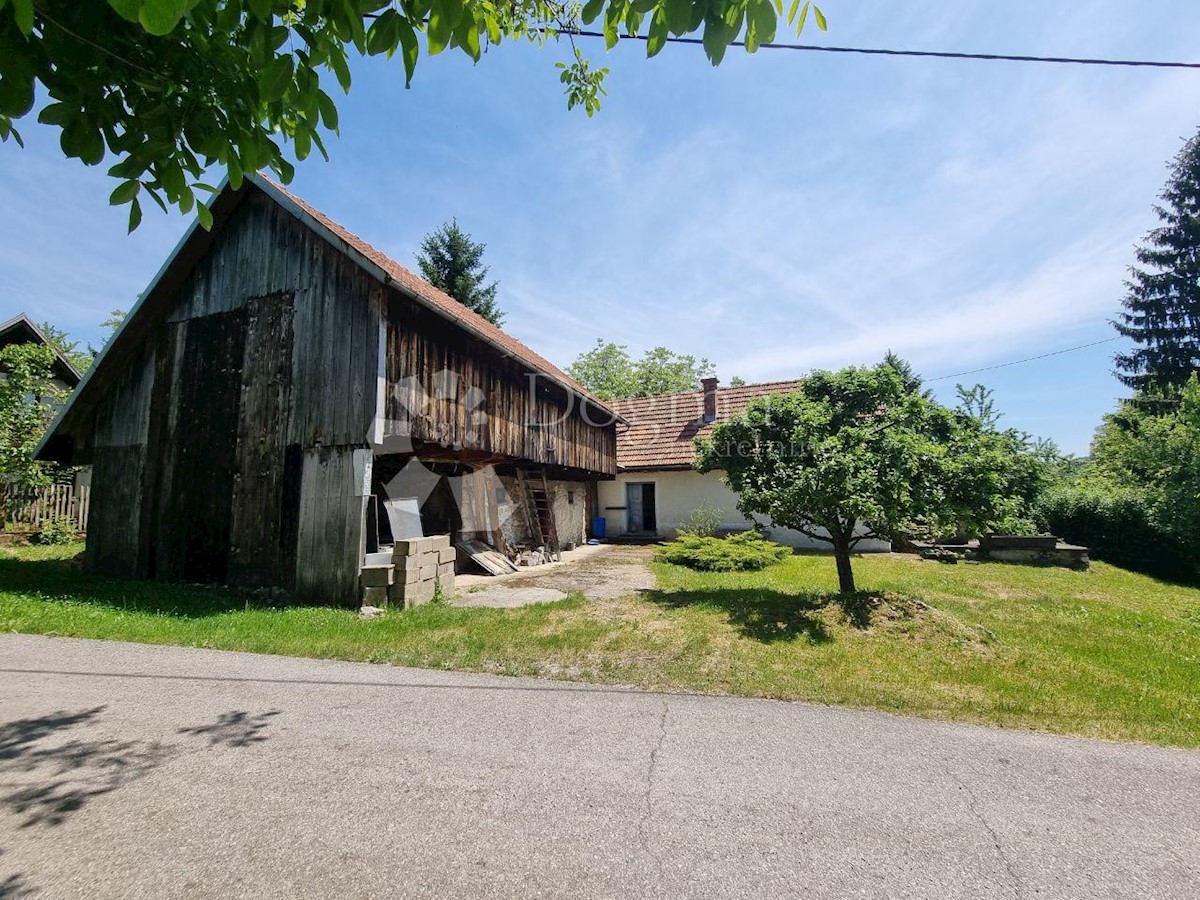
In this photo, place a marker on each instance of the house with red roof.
(656, 490)
(287, 408)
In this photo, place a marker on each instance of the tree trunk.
(841, 552)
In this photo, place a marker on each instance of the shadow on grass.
(761, 615)
(57, 579)
(773, 616)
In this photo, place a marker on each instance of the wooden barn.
(277, 376)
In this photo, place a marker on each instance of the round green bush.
(747, 551)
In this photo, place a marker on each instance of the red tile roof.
(433, 297)
(662, 430)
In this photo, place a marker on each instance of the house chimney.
(710, 398)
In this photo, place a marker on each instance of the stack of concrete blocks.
(419, 567)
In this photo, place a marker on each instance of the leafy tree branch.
(166, 90)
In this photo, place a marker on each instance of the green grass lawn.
(1103, 653)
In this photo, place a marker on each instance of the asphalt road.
(132, 771)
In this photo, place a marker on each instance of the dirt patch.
(614, 572)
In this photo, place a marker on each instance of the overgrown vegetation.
(27, 402)
(1104, 653)
(81, 359)
(705, 519)
(1135, 503)
(609, 372)
(58, 531)
(747, 551)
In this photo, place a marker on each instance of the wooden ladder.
(539, 511)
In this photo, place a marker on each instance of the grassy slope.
(1104, 653)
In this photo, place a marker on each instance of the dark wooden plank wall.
(117, 458)
(113, 522)
(425, 405)
(199, 454)
(261, 525)
(231, 436)
(330, 541)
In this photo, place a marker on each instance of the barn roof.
(378, 264)
(663, 430)
(20, 329)
(437, 300)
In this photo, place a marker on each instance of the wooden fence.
(25, 509)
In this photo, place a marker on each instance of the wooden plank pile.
(491, 561)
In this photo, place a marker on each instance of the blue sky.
(782, 212)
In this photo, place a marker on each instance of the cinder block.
(377, 576)
(410, 546)
(447, 555)
(428, 573)
(413, 594)
(445, 569)
(440, 542)
(375, 595)
(409, 576)
(407, 563)
(446, 583)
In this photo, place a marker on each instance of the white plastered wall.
(678, 493)
(570, 511)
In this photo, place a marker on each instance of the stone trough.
(1038, 550)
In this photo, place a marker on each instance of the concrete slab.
(509, 597)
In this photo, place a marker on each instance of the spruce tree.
(1162, 303)
(452, 262)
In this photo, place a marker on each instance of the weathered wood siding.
(445, 387)
(262, 523)
(330, 523)
(231, 427)
(118, 459)
(226, 441)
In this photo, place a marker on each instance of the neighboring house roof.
(379, 265)
(662, 430)
(20, 329)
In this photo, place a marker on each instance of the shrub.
(58, 530)
(745, 552)
(704, 520)
(1117, 524)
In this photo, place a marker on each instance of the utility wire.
(1017, 362)
(934, 54)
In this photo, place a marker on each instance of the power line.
(1017, 362)
(928, 54)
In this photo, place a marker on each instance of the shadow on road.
(46, 774)
(234, 729)
(45, 780)
(14, 887)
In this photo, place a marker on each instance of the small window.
(570, 497)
